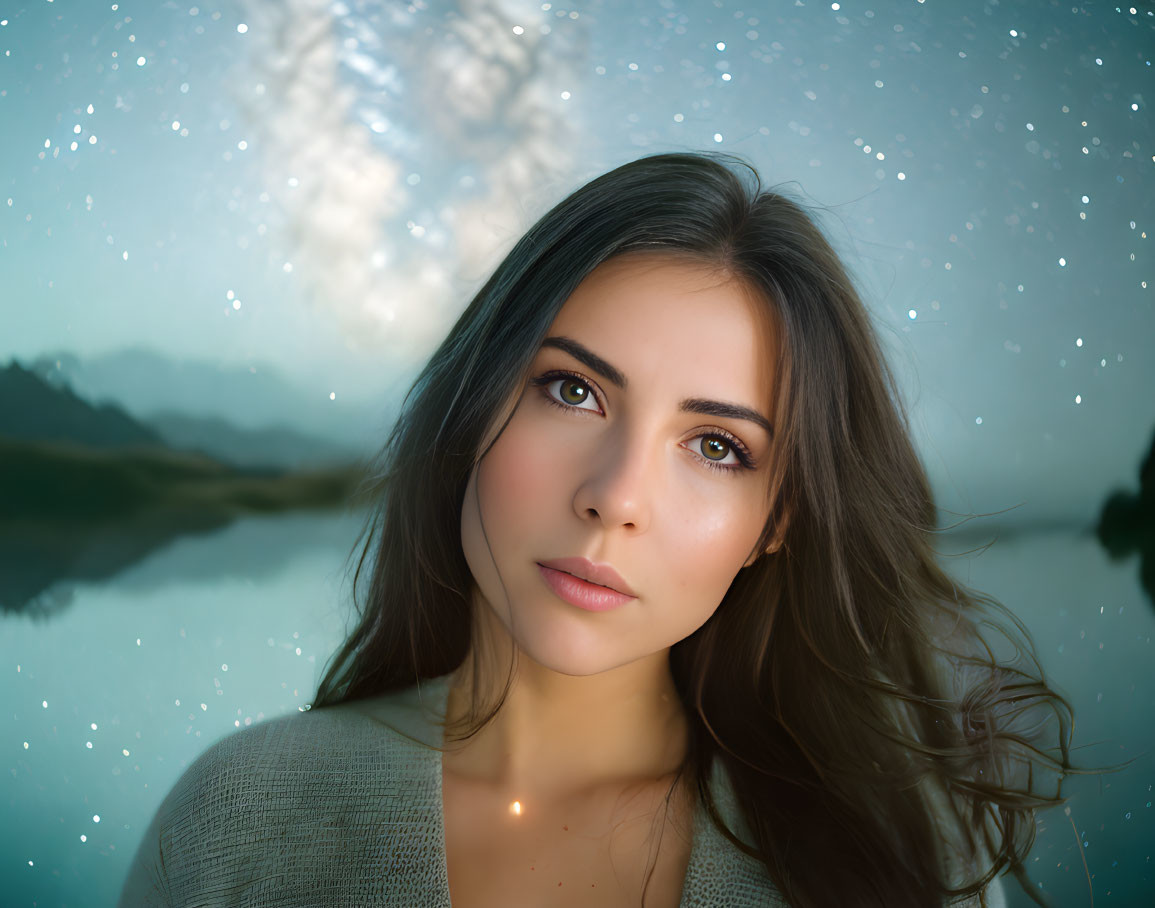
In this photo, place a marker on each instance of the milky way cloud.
(406, 148)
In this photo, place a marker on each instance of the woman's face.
(641, 442)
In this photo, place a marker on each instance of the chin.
(570, 647)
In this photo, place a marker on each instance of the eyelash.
(746, 460)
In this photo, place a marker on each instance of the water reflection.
(40, 561)
(107, 703)
(217, 631)
(87, 490)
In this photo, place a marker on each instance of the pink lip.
(584, 569)
(582, 583)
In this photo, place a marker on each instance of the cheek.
(517, 482)
(705, 542)
(709, 538)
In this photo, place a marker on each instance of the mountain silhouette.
(87, 490)
(274, 446)
(31, 409)
(145, 383)
(40, 403)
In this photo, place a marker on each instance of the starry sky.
(319, 187)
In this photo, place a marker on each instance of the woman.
(654, 614)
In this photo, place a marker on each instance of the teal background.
(392, 153)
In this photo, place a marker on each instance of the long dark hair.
(882, 750)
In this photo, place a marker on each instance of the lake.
(112, 693)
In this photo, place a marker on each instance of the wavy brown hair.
(887, 731)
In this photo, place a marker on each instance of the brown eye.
(570, 392)
(714, 448)
(573, 392)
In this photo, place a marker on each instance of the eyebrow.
(691, 405)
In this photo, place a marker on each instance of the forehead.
(680, 322)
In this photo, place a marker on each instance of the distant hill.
(145, 383)
(33, 410)
(1127, 523)
(41, 405)
(86, 489)
(63, 457)
(249, 447)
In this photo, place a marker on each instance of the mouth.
(602, 575)
(579, 592)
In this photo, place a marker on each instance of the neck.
(558, 735)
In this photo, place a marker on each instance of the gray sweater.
(338, 807)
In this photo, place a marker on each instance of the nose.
(616, 487)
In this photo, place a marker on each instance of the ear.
(769, 550)
(776, 541)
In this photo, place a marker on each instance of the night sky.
(318, 188)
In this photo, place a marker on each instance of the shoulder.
(285, 750)
(289, 760)
(298, 801)
(720, 875)
(355, 747)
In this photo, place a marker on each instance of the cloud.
(407, 148)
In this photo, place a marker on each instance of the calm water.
(216, 632)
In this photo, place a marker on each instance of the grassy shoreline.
(47, 481)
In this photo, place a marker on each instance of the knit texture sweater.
(342, 806)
